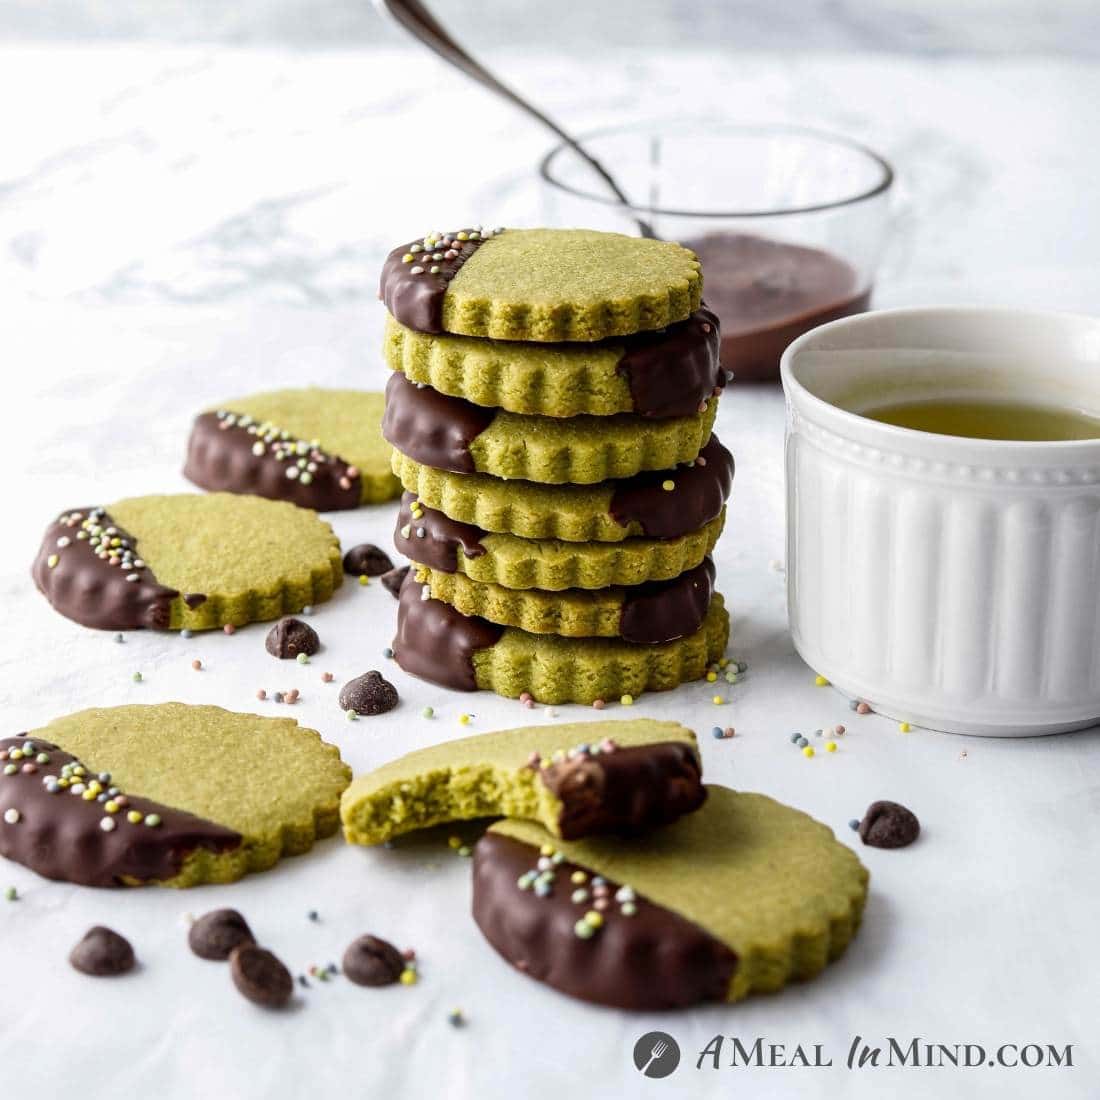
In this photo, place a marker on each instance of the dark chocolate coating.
(417, 300)
(671, 372)
(700, 494)
(102, 953)
(768, 292)
(652, 961)
(85, 588)
(430, 427)
(662, 611)
(438, 643)
(393, 579)
(625, 790)
(889, 825)
(220, 459)
(59, 835)
(443, 538)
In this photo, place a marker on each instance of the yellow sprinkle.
(88, 795)
(52, 560)
(111, 806)
(808, 751)
(134, 817)
(364, 579)
(577, 877)
(454, 841)
(830, 746)
(408, 977)
(546, 850)
(627, 700)
(821, 682)
(718, 700)
(711, 677)
(723, 662)
(904, 727)
(668, 485)
(463, 719)
(593, 919)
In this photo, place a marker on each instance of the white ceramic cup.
(953, 583)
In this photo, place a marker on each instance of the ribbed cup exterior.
(962, 596)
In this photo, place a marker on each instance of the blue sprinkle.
(716, 731)
(817, 733)
(796, 737)
(853, 825)
(742, 666)
(187, 633)
(802, 742)
(119, 638)
(308, 609)
(387, 653)
(853, 703)
(278, 697)
(542, 889)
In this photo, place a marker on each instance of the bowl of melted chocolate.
(789, 223)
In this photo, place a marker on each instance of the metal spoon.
(422, 25)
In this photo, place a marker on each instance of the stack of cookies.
(551, 410)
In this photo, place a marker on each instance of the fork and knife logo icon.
(656, 1054)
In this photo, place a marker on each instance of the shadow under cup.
(948, 581)
(788, 223)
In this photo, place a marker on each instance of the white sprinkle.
(12, 816)
(108, 824)
(425, 593)
(132, 577)
(63, 541)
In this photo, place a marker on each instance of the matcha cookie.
(649, 614)
(666, 373)
(440, 644)
(575, 779)
(662, 504)
(449, 433)
(188, 561)
(428, 537)
(321, 449)
(540, 284)
(741, 897)
(170, 794)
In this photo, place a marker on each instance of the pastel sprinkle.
(808, 751)
(863, 708)
(820, 681)
(830, 746)
(387, 653)
(854, 824)
(668, 485)
(904, 727)
(463, 719)
(12, 816)
(627, 700)
(718, 700)
(229, 628)
(137, 677)
(326, 677)
(302, 658)
(428, 712)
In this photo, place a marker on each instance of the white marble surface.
(177, 224)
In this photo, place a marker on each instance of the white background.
(180, 223)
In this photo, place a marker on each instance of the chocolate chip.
(215, 934)
(888, 825)
(394, 579)
(368, 694)
(260, 976)
(289, 637)
(371, 961)
(368, 560)
(102, 953)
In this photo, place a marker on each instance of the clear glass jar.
(789, 223)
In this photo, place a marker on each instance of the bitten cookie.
(318, 448)
(540, 284)
(465, 653)
(660, 374)
(661, 504)
(449, 433)
(575, 780)
(170, 794)
(428, 537)
(187, 561)
(743, 896)
(649, 614)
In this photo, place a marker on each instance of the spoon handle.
(422, 25)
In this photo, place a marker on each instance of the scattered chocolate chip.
(289, 637)
(102, 953)
(368, 694)
(888, 825)
(260, 976)
(367, 560)
(215, 934)
(394, 579)
(372, 961)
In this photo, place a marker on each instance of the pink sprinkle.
(525, 697)
(839, 731)
(122, 800)
(229, 628)
(598, 704)
(863, 708)
(353, 471)
(608, 745)
(408, 954)
(261, 694)
(600, 904)
(533, 760)
(529, 703)
(30, 769)
(292, 695)
(706, 326)
(729, 731)
(196, 664)
(345, 483)
(700, 461)
(326, 677)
